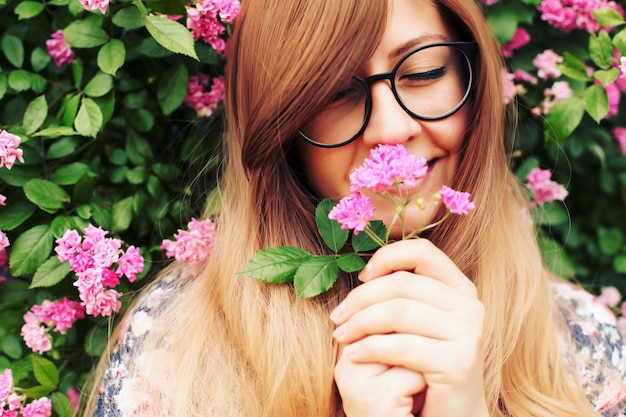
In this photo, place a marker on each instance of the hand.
(413, 340)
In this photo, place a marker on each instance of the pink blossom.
(205, 20)
(59, 315)
(93, 236)
(614, 96)
(104, 303)
(457, 202)
(41, 407)
(67, 245)
(58, 48)
(525, 76)
(35, 336)
(543, 188)
(130, 263)
(4, 241)
(3, 200)
(568, 15)
(560, 90)
(204, 102)
(388, 167)
(519, 40)
(74, 396)
(620, 136)
(194, 246)
(8, 149)
(353, 212)
(509, 90)
(622, 67)
(101, 5)
(609, 296)
(6, 385)
(546, 63)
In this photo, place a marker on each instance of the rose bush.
(110, 122)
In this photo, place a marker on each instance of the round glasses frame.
(468, 49)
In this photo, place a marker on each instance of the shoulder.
(598, 347)
(126, 386)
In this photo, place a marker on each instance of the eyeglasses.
(431, 82)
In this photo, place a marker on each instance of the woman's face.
(412, 23)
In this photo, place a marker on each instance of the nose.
(389, 123)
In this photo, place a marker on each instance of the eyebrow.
(415, 42)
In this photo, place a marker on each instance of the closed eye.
(432, 74)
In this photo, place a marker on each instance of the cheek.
(326, 171)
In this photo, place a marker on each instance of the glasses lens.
(342, 118)
(433, 82)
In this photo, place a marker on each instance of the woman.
(464, 323)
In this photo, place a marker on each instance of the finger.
(402, 285)
(419, 256)
(399, 316)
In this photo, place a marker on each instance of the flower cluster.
(49, 316)
(58, 48)
(568, 15)
(192, 247)
(206, 17)
(101, 5)
(12, 404)
(544, 190)
(204, 102)
(8, 149)
(99, 263)
(394, 173)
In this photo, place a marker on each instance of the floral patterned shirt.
(125, 392)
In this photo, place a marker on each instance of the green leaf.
(596, 102)
(45, 194)
(70, 174)
(28, 9)
(84, 34)
(11, 346)
(610, 240)
(63, 147)
(606, 76)
(35, 114)
(15, 214)
(68, 110)
(89, 118)
(563, 119)
(4, 83)
(175, 7)
(350, 262)
(99, 85)
(77, 71)
(30, 250)
(55, 131)
(608, 17)
(122, 214)
(171, 35)
(619, 41)
(39, 59)
(276, 265)
(96, 341)
(619, 264)
(503, 22)
(13, 49)
(18, 175)
(111, 56)
(362, 242)
(551, 214)
(50, 273)
(556, 258)
(601, 49)
(316, 276)
(128, 18)
(334, 236)
(46, 373)
(172, 88)
(62, 405)
(83, 190)
(20, 80)
(62, 224)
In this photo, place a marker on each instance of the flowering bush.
(109, 109)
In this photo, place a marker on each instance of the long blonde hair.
(244, 348)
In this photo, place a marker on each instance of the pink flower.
(35, 336)
(622, 67)
(67, 245)
(6, 384)
(609, 296)
(546, 63)
(456, 201)
(620, 136)
(58, 316)
(8, 149)
(58, 48)
(101, 5)
(3, 200)
(194, 246)
(4, 241)
(204, 102)
(543, 188)
(520, 39)
(74, 396)
(353, 212)
(509, 90)
(614, 96)
(525, 76)
(41, 407)
(560, 90)
(388, 167)
(130, 263)
(568, 15)
(205, 21)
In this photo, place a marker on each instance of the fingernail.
(352, 350)
(340, 332)
(338, 313)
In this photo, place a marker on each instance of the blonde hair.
(244, 348)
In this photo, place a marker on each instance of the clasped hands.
(410, 337)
